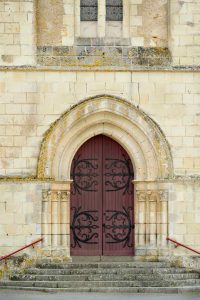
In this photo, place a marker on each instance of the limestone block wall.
(31, 101)
(184, 41)
(149, 23)
(17, 32)
(20, 215)
(55, 22)
(144, 22)
(184, 215)
(30, 210)
(169, 208)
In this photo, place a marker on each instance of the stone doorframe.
(147, 147)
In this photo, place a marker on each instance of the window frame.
(101, 22)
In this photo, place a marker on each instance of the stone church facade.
(72, 70)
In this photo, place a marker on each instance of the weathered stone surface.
(94, 56)
(151, 60)
(111, 277)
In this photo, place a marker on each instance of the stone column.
(65, 217)
(49, 237)
(55, 216)
(44, 226)
(56, 219)
(164, 219)
(141, 220)
(151, 217)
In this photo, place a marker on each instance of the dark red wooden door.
(86, 203)
(117, 200)
(102, 199)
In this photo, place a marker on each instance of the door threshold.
(104, 258)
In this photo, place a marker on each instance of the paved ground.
(20, 295)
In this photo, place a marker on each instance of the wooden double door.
(102, 200)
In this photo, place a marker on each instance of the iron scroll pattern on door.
(120, 227)
(119, 175)
(84, 224)
(83, 175)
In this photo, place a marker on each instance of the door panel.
(117, 200)
(86, 199)
(101, 199)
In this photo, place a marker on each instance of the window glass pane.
(89, 10)
(114, 10)
(114, 2)
(114, 14)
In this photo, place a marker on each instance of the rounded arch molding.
(138, 134)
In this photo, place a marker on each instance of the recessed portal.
(102, 204)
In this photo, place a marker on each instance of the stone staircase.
(105, 276)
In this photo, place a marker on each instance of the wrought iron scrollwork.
(84, 224)
(120, 227)
(83, 174)
(119, 175)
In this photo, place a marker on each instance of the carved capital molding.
(54, 195)
(156, 196)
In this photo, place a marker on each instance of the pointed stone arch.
(148, 149)
(112, 116)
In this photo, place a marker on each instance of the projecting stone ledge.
(138, 68)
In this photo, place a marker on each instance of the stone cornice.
(38, 68)
(176, 178)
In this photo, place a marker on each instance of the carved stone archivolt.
(128, 125)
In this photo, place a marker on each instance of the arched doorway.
(148, 150)
(102, 206)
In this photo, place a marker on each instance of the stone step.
(151, 290)
(104, 277)
(92, 284)
(103, 265)
(105, 271)
(133, 290)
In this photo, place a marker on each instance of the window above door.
(89, 10)
(99, 19)
(99, 33)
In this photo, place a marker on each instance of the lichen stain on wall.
(49, 22)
